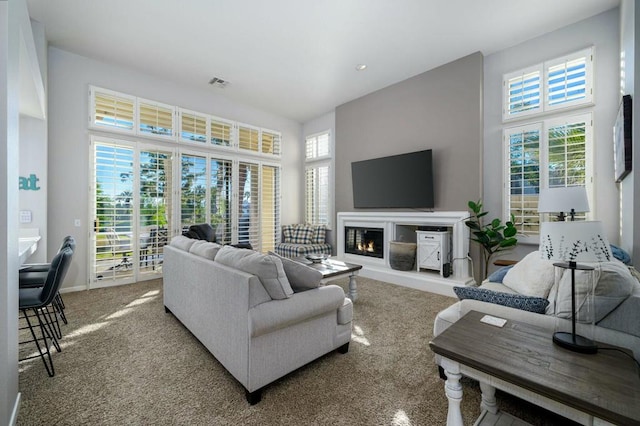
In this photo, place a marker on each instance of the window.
(549, 154)
(317, 179)
(559, 83)
(155, 118)
(112, 110)
(193, 127)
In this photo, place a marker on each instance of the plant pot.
(402, 256)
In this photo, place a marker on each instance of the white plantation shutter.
(317, 146)
(248, 138)
(248, 204)
(568, 80)
(270, 142)
(317, 195)
(155, 118)
(193, 127)
(193, 200)
(269, 207)
(550, 154)
(221, 132)
(523, 176)
(220, 187)
(522, 93)
(112, 110)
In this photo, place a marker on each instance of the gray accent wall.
(440, 109)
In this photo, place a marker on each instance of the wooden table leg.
(453, 390)
(353, 291)
(488, 398)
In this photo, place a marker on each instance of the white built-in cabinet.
(434, 251)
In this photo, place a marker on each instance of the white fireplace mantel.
(380, 269)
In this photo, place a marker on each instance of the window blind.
(317, 194)
(193, 127)
(113, 111)
(221, 132)
(269, 207)
(248, 204)
(317, 146)
(270, 142)
(523, 93)
(155, 119)
(220, 187)
(569, 80)
(248, 138)
(193, 184)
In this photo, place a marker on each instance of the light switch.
(25, 216)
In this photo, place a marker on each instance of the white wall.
(69, 78)
(600, 31)
(627, 64)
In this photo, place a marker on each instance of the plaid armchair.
(299, 240)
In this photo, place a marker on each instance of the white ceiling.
(297, 58)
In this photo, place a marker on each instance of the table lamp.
(569, 243)
(571, 199)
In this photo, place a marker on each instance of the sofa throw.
(518, 301)
(267, 268)
(301, 277)
(532, 276)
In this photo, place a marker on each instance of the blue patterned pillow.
(498, 275)
(518, 301)
(620, 254)
(303, 234)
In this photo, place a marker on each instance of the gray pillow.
(614, 283)
(182, 242)
(300, 276)
(267, 268)
(518, 301)
(204, 249)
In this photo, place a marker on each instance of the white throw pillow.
(532, 276)
(267, 268)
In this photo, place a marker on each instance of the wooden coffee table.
(332, 269)
(522, 360)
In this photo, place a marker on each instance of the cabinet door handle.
(438, 255)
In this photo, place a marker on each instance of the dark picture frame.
(622, 140)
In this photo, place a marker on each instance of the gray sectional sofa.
(259, 321)
(516, 295)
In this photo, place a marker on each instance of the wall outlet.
(77, 222)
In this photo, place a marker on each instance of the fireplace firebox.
(364, 241)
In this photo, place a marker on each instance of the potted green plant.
(493, 237)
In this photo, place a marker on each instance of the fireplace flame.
(366, 247)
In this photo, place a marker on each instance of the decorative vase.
(402, 256)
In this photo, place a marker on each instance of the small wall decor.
(622, 140)
(29, 183)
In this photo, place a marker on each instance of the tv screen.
(398, 181)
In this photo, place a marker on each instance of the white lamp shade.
(556, 200)
(579, 241)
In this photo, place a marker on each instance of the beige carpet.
(125, 361)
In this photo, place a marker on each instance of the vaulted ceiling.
(297, 58)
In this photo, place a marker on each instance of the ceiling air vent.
(218, 82)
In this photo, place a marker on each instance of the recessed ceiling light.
(361, 67)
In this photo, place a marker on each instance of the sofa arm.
(276, 314)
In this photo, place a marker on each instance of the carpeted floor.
(125, 361)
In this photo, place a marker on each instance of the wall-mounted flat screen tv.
(398, 181)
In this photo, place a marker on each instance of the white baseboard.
(72, 289)
(13, 421)
(425, 281)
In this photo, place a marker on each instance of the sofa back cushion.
(182, 242)
(267, 268)
(204, 249)
(532, 276)
(301, 277)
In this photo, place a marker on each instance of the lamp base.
(575, 343)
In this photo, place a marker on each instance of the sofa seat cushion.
(267, 268)
(268, 317)
(297, 250)
(300, 276)
(532, 276)
(518, 301)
